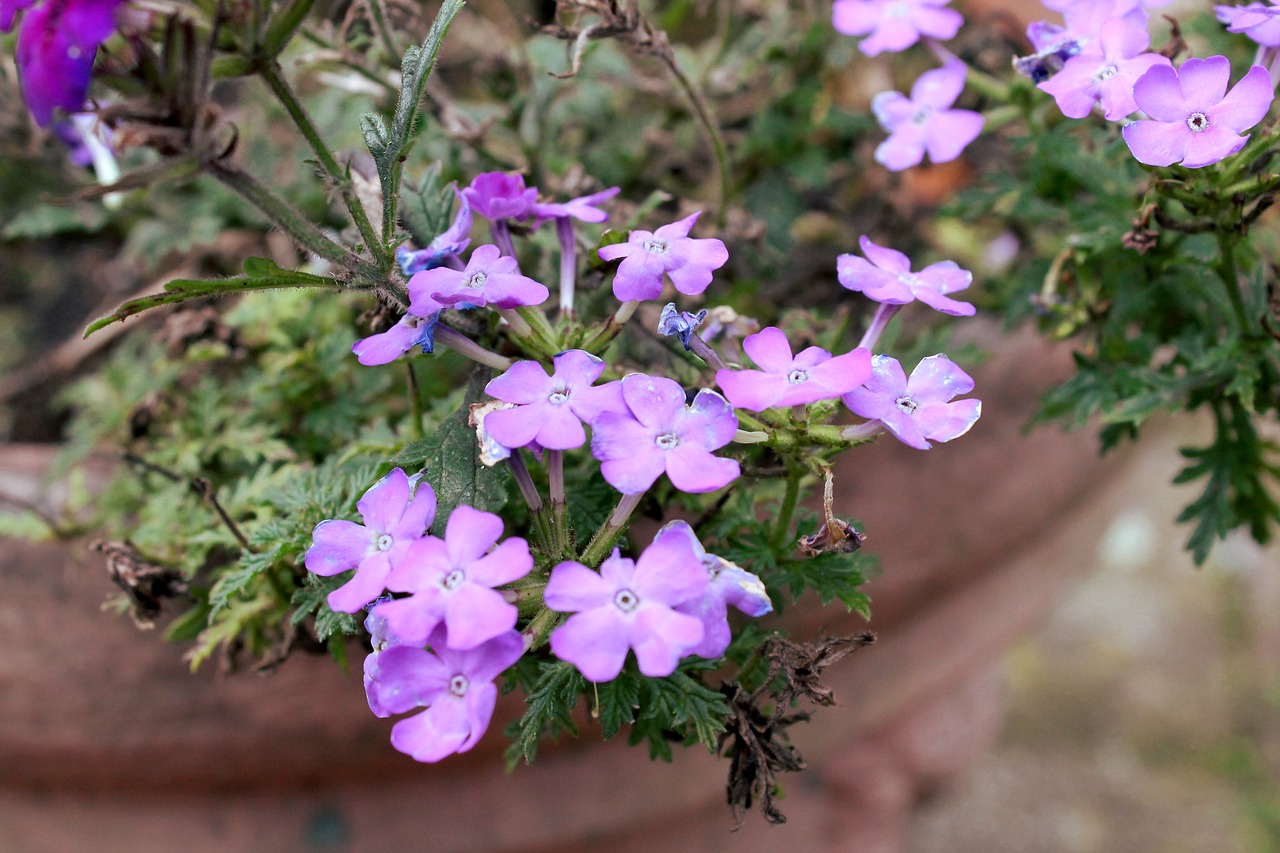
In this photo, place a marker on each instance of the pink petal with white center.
(590, 403)
(945, 304)
(418, 515)
(1246, 104)
(670, 570)
(516, 427)
(413, 619)
(842, 374)
(613, 251)
(941, 24)
(508, 562)
(892, 109)
(709, 420)
(436, 733)
(423, 284)
(892, 35)
(938, 379)
(632, 475)
(902, 150)
(560, 429)
(577, 367)
(639, 276)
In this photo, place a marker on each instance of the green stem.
(703, 112)
(415, 404)
(273, 76)
(608, 534)
(379, 16)
(1231, 280)
(794, 474)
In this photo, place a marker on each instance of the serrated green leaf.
(551, 698)
(618, 702)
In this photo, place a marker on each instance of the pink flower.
(918, 409)
(1258, 21)
(894, 25)
(500, 195)
(392, 523)
(489, 279)
(1104, 72)
(888, 278)
(628, 605)
(925, 122)
(550, 410)
(787, 380)
(1194, 120)
(670, 251)
(661, 434)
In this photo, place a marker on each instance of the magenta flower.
(583, 208)
(451, 582)
(1258, 21)
(791, 380)
(1104, 72)
(499, 195)
(728, 584)
(385, 347)
(628, 605)
(925, 122)
(456, 687)
(550, 410)
(1194, 120)
(489, 279)
(661, 433)
(888, 278)
(453, 241)
(57, 44)
(647, 255)
(392, 522)
(894, 25)
(918, 409)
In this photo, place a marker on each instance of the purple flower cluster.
(57, 44)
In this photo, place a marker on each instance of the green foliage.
(551, 691)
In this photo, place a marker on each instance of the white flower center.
(384, 542)
(1106, 72)
(795, 377)
(476, 279)
(558, 398)
(667, 441)
(458, 685)
(909, 279)
(898, 10)
(654, 246)
(906, 404)
(454, 579)
(1198, 122)
(626, 600)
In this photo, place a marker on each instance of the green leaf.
(618, 702)
(552, 690)
(259, 274)
(425, 207)
(679, 707)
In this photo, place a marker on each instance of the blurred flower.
(1104, 72)
(925, 122)
(894, 25)
(57, 44)
(1258, 21)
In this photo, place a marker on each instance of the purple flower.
(456, 687)
(392, 522)
(499, 195)
(680, 324)
(453, 241)
(662, 434)
(489, 279)
(787, 380)
(924, 121)
(57, 44)
(550, 410)
(451, 582)
(385, 347)
(888, 278)
(628, 605)
(894, 24)
(917, 409)
(727, 584)
(582, 208)
(1194, 120)
(647, 255)
(1104, 72)
(1258, 21)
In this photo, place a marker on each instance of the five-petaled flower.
(918, 409)
(925, 122)
(887, 277)
(1104, 72)
(662, 434)
(550, 410)
(489, 279)
(392, 522)
(455, 686)
(894, 25)
(1194, 120)
(630, 604)
(647, 255)
(791, 380)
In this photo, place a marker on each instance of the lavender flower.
(1258, 21)
(918, 409)
(456, 687)
(894, 25)
(888, 278)
(498, 195)
(57, 44)
(1105, 72)
(662, 434)
(1194, 120)
(451, 582)
(489, 279)
(787, 380)
(550, 410)
(728, 584)
(385, 347)
(925, 122)
(453, 241)
(583, 208)
(628, 605)
(392, 522)
(647, 255)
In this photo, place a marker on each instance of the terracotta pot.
(107, 742)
